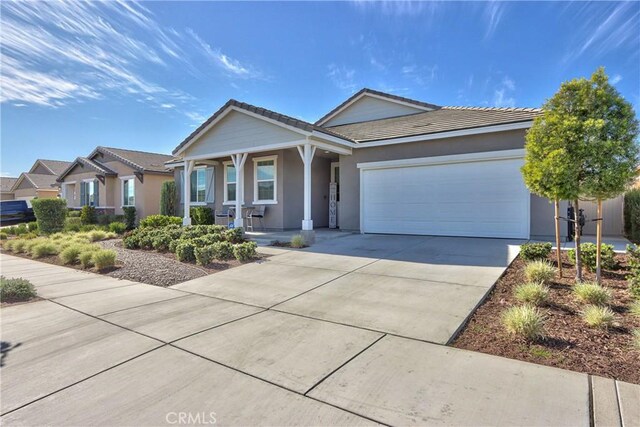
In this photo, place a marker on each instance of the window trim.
(95, 182)
(122, 180)
(203, 203)
(226, 201)
(275, 180)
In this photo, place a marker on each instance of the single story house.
(40, 181)
(6, 188)
(377, 163)
(112, 178)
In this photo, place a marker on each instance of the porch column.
(188, 168)
(238, 162)
(307, 151)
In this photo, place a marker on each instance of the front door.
(335, 179)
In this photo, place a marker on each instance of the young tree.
(610, 132)
(168, 198)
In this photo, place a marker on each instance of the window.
(89, 193)
(264, 172)
(230, 182)
(128, 192)
(198, 185)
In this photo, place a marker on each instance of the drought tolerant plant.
(634, 265)
(88, 215)
(3, 235)
(245, 251)
(14, 290)
(592, 293)
(43, 249)
(234, 235)
(202, 215)
(185, 251)
(117, 227)
(129, 217)
(539, 272)
(525, 321)
(589, 255)
(104, 258)
(32, 227)
(169, 198)
(535, 251)
(532, 293)
(297, 241)
(632, 215)
(50, 214)
(18, 246)
(634, 309)
(222, 250)
(86, 258)
(155, 221)
(97, 235)
(70, 254)
(635, 338)
(72, 224)
(204, 254)
(597, 316)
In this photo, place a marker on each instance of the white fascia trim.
(89, 179)
(127, 177)
(252, 150)
(443, 160)
(67, 182)
(321, 135)
(372, 95)
(451, 134)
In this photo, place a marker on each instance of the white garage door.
(485, 197)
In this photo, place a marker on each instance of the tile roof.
(142, 161)
(39, 180)
(55, 166)
(376, 92)
(443, 119)
(6, 183)
(282, 118)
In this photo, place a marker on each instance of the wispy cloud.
(343, 77)
(615, 79)
(503, 93)
(420, 75)
(57, 53)
(399, 8)
(604, 28)
(493, 11)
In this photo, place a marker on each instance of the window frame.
(123, 179)
(226, 200)
(256, 160)
(87, 181)
(195, 170)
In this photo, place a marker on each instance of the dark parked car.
(15, 211)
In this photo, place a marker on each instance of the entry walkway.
(100, 351)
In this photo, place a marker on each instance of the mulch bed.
(150, 267)
(570, 343)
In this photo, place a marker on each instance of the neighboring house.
(6, 188)
(112, 178)
(40, 181)
(400, 167)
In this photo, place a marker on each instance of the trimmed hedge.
(14, 290)
(535, 251)
(50, 214)
(588, 253)
(632, 215)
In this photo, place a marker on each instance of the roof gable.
(34, 180)
(369, 104)
(49, 167)
(6, 184)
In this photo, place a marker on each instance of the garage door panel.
(480, 198)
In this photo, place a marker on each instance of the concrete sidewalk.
(100, 351)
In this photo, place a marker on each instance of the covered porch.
(250, 160)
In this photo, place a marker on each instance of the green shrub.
(169, 198)
(532, 293)
(298, 241)
(88, 215)
(21, 229)
(588, 255)
(104, 258)
(535, 251)
(106, 219)
(88, 227)
(72, 224)
(539, 272)
(245, 251)
(204, 254)
(44, 249)
(185, 251)
(18, 246)
(634, 308)
(117, 227)
(70, 254)
(32, 227)
(155, 221)
(14, 290)
(632, 215)
(223, 250)
(3, 235)
(97, 235)
(73, 213)
(201, 215)
(597, 316)
(525, 321)
(234, 235)
(50, 214)
(86, 258)
(591, 293)
(161, 242)
(130, 217)
(635, 339)
(633, 279)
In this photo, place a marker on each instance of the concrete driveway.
(338, 334)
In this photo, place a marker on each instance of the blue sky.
(144, 75)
